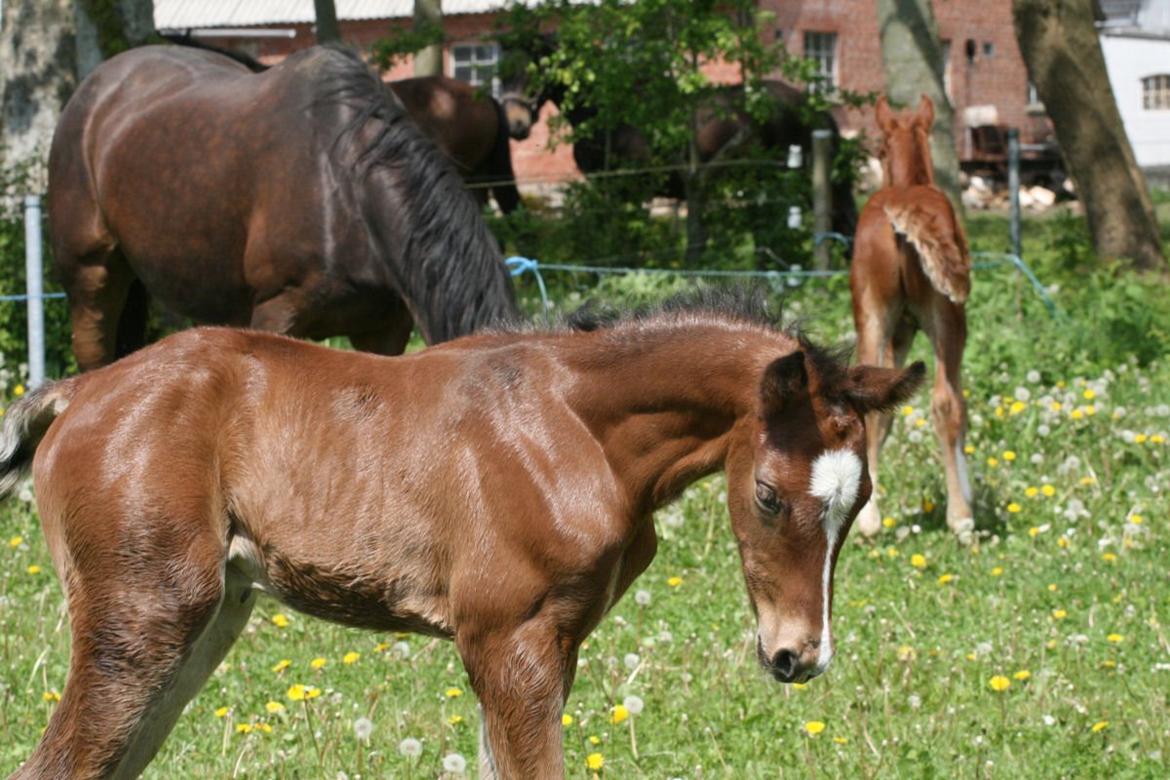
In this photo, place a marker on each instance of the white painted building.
(1135, 38)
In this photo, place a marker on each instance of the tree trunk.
(1060, 46)
(428, 14)
(109, 27)
(913, 63)
(327, 29)
(37, 75)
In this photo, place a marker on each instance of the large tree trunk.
(37, 75)
(428, 14)
(109, 27)
(1060, 46)
(327, 29)
(913, 63)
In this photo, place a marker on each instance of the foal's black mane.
(447, 264)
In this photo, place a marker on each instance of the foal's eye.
(767, 499)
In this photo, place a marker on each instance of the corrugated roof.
(186, 14)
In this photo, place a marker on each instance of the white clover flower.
(454, 763)
(632, 660)
(410, 747)
(642, 598)
(362, 728)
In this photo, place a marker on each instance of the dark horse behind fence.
(721, 129)
(301, 199)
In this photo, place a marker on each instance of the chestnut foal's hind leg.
(144, 643)
(948, 333)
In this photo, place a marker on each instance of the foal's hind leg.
(877, 334)
(146, 636)
(948, 333)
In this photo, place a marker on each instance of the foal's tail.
(25, 424)
(940, 241)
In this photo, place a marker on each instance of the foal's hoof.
(869, 520)
(964, 529)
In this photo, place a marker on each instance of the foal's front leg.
(522, 676)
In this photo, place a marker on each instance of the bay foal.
(911, 271)
(497, 490)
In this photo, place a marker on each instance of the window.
(1033, 95)
(821, 47)
(988, 49)
(1156, 92)
(476, 63)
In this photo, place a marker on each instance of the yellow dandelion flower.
(1059, 614)
(1077, 414)
(1109, 664)
(33, 569)
(1009, 455)
(267, 729)
(381, 647)
(1099, 726)
(907, 410)
(842, 740)
(906, 653)
(1062, 542)
(1157, 438)
(1031, 492)
(1048, 490)
(1136, 519)
(1052, 587)
(945, 579)
(814, 727)
(280, 620)
(281, 665)
(351, 657)
(222, 712)
(1022, 675)
(1013, 507)
(1089, 394)
(1033, 532)
(1115, 638)
(566, 719)
(595, 761)
(969, 449)
(455, 720)
(1090, 410)
(972, 657)
(1088, 480)
(1056, 406)
(674, 581)
(296, 692)
(274, 707)
(992, 462)
(16, 541)
(318, 663)
(889, 522)
(997, 571)
(918, 561)
(999, 411)
(51, 696)
(312, 692)
(243, 728)
(927, 505)
(618, 714)
(999, 683)
(800, 686)
(1109, 557)
(594, 739)
(453, 693)
(1140, 438)
(892, 552)
(1017, 407)
(18, 391)
(920, 422)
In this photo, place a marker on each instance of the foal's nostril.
(784, 665)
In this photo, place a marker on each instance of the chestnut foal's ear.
(926, 113)
(785, 380)
(881, 389)
(882, 114)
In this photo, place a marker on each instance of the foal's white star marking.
(836, 478)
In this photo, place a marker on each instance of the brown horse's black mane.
(445, 260)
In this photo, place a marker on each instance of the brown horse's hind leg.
(132, 324)
(522, 678)
(390, 340)
(97, 290)
(146, 636)
(948, 333)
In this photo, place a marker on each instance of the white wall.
(1129, 60)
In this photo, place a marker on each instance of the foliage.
(1037, 652)
(406, 42)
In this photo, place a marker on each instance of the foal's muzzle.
(788, 665)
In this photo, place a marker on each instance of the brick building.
(985, 74)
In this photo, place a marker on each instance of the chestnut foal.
(911, 270)
(497, 490)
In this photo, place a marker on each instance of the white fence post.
(34, 279)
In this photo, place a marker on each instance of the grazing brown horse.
(470, 127)
(497, 490)
(301, 200)
(912, 271)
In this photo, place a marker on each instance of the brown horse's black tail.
(25, 424)
(499, 165)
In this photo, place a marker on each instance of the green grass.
(909, 694)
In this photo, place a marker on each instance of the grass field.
(1039, 651)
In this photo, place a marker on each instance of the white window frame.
(821, 46)
(1156, 92)
(477, 66)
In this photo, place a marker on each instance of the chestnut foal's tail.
(25, 424)
(942, 247)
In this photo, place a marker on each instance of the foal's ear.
(881, 389)
(882, 114)
(785, 380)
(926, 113)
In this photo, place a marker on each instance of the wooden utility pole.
(327, 28)
(428, 15)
